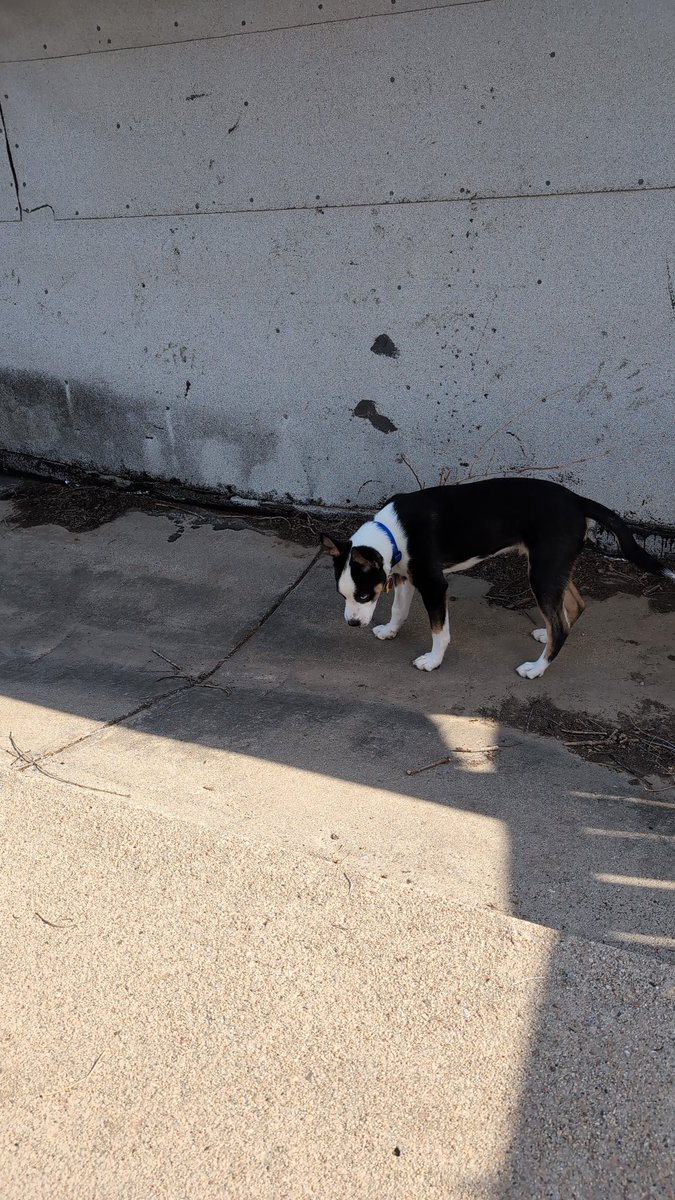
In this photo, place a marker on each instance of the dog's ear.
(332, 546)
(367, 558)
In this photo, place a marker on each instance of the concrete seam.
(263, 620)
(240, 33)
(198, 680)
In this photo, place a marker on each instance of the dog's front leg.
(403, 594)
(435, 602)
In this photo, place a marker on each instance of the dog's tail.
(631, 550)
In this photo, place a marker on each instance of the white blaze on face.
(355, 610)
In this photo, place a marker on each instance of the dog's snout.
(354, 621)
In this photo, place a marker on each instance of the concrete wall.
(221, 207)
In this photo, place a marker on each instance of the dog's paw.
(384, 631)
(427, 662)
(532, 670)
(539, 635)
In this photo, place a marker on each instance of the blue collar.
(397, 556)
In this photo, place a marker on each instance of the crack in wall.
(671, 286)
(239, 33)
(369, 204)
(39, 207)
(11, 163)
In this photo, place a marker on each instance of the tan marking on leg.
(573, 604)
(577, 596)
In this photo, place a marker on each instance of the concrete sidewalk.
(249, 954)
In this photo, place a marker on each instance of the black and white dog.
(419, 536)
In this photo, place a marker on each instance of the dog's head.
(359, 575)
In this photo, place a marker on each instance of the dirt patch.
(641, 748)
(78, 509)
(306, 528)
(596, 576)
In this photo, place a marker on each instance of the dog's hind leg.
(435, 601)
(403, 594)
(573, 603)
(573, 606)
(559, 601)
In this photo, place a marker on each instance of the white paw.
(384, 631)
(532, 670)
(427, 662)
(540, 635)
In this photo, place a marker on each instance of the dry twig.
(191, 680)
(27, 761)
(444, 762)
(52, 924)
(527, 470)
(177, 669)
(402, 458)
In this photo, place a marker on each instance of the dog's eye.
(362, 599)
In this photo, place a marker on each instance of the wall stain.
(48, 417)
(384, 345)
(367, 410)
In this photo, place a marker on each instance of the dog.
(419, 537)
